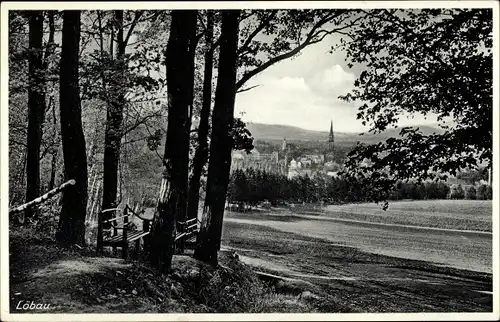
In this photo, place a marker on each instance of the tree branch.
(246, 89)
(259, 28)
(137, 16)
(271, 62)
(310, 39)
(139, 122)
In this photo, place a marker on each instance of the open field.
(349, 279)
(362, 259)
(447, 214)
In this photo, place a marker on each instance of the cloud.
(332, 82)
(292, 101)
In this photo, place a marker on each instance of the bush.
(435, 190)
(470, 193)
(457, 192)
(231, 289)
(484, 192)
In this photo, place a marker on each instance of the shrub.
(443, 190)
(456, 192)
(231, 289)
(470, 193)
(432, 190)
(484, 192)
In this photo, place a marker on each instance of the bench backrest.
(113, 221)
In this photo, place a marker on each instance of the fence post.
(99, 233)
(125, 233)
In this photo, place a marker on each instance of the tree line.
(252, 187)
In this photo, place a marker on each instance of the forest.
(95, 96)
(138, 105)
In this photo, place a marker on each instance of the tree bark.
(201, 154)
(36, 108)
(53, 169)
(221, 141)
(114, 121)
(74, 202)
(173, 201)
(55, 147)
(49, 51)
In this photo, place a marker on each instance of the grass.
(349, 280)
(448, 214)
(75, 281)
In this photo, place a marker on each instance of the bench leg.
(124, 251)
(137, 248)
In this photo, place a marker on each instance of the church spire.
(330, 139)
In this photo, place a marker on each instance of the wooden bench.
(188, 230)
(120, 236)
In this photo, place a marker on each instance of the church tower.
(331, 139)
(284, 148)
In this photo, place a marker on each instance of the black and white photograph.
(249, 160)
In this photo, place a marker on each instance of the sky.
(303, 92)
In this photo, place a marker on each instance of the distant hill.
(276, 132)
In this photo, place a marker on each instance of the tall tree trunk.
(36, 108)
(74, 202)
(49, 51)
(55, 150)
(173, 202)
(221, 142)
(201, 154)
(114, 121)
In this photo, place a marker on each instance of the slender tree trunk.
(221, 142)
(55, 150)
(201, 154)
(172, 203)
(74, 202)
(53, 169)
(114, 122)
(36, 107)
(49, 51)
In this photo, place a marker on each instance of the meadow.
(447, 214)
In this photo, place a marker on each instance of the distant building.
(331, 139)
(256, 160)
(279, 163)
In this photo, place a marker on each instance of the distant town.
(280, 162)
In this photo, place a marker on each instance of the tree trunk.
(53, 169)
(114, 122)
(201, 154)
(72, 219)
(36, 108)
(221, 142)
(173, 201)
(49, 51)
(55, 148)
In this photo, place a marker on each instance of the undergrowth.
(111, 285)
